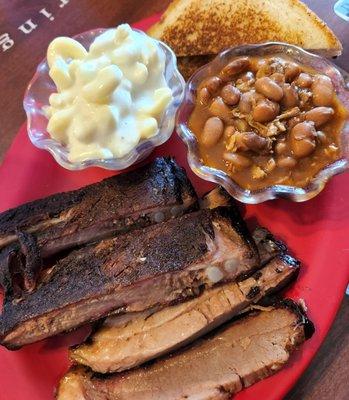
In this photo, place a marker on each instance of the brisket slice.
(124, 342)
(234, 357)
(153, 267)
(147, 195)
(217, 197)
(268, 246)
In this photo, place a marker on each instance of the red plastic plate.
(316, 231)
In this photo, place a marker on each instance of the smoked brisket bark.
(147, 195)
(155, 266)
(215, 367)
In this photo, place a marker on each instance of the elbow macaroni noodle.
(109, 97)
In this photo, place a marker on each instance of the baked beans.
(268, 120)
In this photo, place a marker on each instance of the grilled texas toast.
(202, 27)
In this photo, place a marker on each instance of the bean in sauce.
(265, 111)
(319, 115)
(290, 96)
(323, 92)
(245, 104)
(230, 94)
(212, 84)
(302, 139)
(269, 88)
(268, 120)
(219, 109)
(212, 132)
(304, 80)
(291, 71)
(204, 96)
(238, 160)
(235, 67)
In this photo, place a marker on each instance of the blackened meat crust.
(121, 261)
(107, 205)
(94, 278)
(295, 308)
(155, 192)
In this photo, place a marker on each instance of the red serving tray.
(316, 231)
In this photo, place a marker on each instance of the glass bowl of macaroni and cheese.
(105, 98)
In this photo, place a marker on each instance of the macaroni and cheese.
(109, 97)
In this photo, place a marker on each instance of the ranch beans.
(229, 131)
(291, 71)
(255, 142)
(212, 132)
(245, 103)
(278, 77)
(264, 70)
(230, 94)
(219, 109)
(248, 100)
(237, 160)
(259, 64)
(267, 120)
(293, 121)
(247, 76)
(303, 130)
(303, 148)
(244, 141)
(256, 97)
(302, 139)
(235, 67)
(304, 80)
(290, 96)
(204, 96)
(241, 125)
(270, 165)
(269, 88)
(238, 142)
(265, 111)
(212, 84)
(323, 91)
(281, 147)
(319, 115)
(286, 162)
(321, 136)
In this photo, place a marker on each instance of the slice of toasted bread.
(198, 27)
(188, 65)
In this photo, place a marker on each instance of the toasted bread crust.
(188, 65)
(199, 27)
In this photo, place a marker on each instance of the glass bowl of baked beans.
(267, 121)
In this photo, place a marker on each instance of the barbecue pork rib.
(215, 367)
(124, 342)
(156, 266)
(147, 195)
(158, 191)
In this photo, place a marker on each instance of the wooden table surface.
(27, 26)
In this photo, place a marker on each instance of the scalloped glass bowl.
(276, 191)
(41, 86)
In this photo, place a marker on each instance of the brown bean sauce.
(271, 139)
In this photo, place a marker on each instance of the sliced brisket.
(123, 342)
(216, 367)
